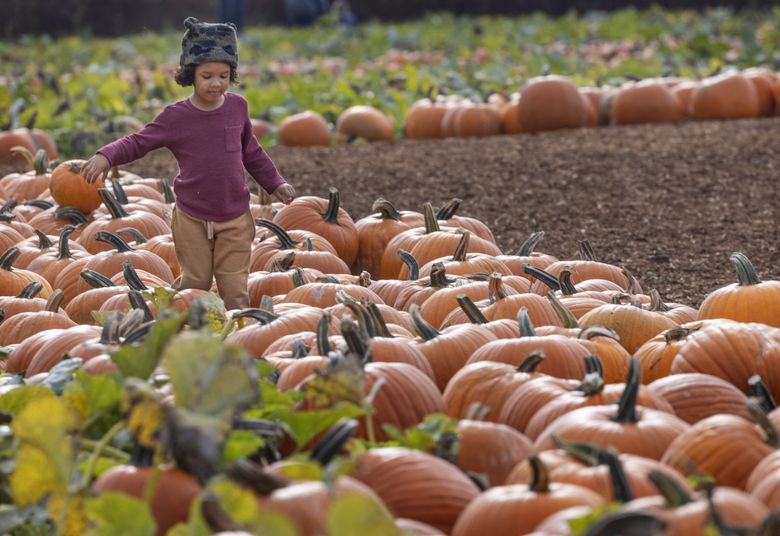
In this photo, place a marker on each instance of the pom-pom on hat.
(204, 42)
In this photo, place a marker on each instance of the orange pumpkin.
(305, 129)
(365, 122)
(727, 96)
(69, 188)
(550, 103)
(644, 102)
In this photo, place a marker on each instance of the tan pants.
(214, 249)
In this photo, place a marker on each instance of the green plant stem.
(100, 446)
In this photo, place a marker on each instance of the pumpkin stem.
(299, 277)
(119, 191)
(758, 390)
(115, 209)
(568, 319)
(449, 209)
(267, 303)
(632, 285)
(364, 279)
(438, 277)
(9, 205)
(356, 340)
(115, 240)
(760, 416)
(285, 240)
(674, 494)
(411, 263)
(8, 258)
(63, 247)
(532, 362)
(250, 474)
(627, 405)
(542, 275)
(528, 247)
(676, 333)
(597, 331)
(431, 224)
(137, 301)
(24, 152)
(496, 289)
(565, 282)
(540, 483)
(426, 331)
(473, 313)
(262, 316)
(746, 272)
(333, 441)
(524, 323)
(462, 248)
(323, 326)
(132, 278)
(137, 235)
(282, 264)
(41, 162)
(72, 214)
(621, 486)
(385, 209)
(299, 349)
(38, 203)
(380, 326)
(43, 240)
(586, 453)
(167, 192)
(95, 279)
(586, 251)
(332, 213)
(30, 290)
(359, 311)
(657, 303)
(593, 381)
(54, 301)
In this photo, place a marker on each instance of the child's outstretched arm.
(262, 168)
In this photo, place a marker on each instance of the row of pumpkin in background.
(549, 103)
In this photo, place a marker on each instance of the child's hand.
(96, 167)
(285, 193)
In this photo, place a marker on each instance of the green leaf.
(210, 377)
(580, 525)
(117, 514)
(15, 400)
(241, 443)
(102, 392)
(304, 426)
(355, 514)
(139, 360)
(61, 373)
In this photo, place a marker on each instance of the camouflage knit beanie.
(204, 42)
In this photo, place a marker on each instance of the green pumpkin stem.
(746, 272)
(137, 235)
(671, 490)
(38, 203)
(261, 315)
(285, 240)
(282, 264)
(115, 208)
(380, 326)
(758, 390)
(657, 303)
(72, 214)
(131, 277)
(565, 282)
(9, 257)
(496, 289)
(462, 248)
(586, 251)
(333, 441)
(627, 405)
(431, 223)
(63, 246)
(540, 482)
(528, 247)
(167, 192)
(621, 486)
(43, 240)
(759, 415)
(138, 302)
(411, 263)
(567, 318)
(449, 209)
(30, 290)
(323, 327)
(119, 192)
(473, 313)
(41, 162)
(299, 349)
(331, 215)
(114, 240)
(531, 362)
(356, 339)
(95, 279)
(299, 277)
(542, 275)
(385, 209)
(593, 382)
(526, 327)
(55, 301)
(426, 331)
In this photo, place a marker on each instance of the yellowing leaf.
(328, 388)
(358, 515)
(34, 477)
(302, 471)
(117, 514)
(15, 400)
(74, 521)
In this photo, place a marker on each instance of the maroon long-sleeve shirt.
(212, 149)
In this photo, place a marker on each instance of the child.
(211, 137)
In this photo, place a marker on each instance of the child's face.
(211, 80)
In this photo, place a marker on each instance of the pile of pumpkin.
(572, 387)
(550, 103)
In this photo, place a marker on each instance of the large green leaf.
(140, 359)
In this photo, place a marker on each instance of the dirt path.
(669, 202)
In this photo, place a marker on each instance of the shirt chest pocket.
(232, 139)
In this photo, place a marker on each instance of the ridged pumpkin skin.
(634, 325)
(517, 509)
(550, 103)
(728, 96)
(764, 481)
(423, 120)
(491, 449)
(416, 485)
(644, 102)
(695, 396)
(305, 129)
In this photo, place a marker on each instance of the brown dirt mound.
(668, 202)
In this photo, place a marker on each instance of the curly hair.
(185, 75)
